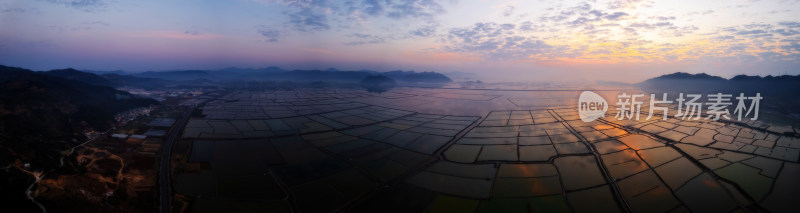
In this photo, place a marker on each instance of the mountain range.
(154, 79)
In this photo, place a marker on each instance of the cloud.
(9, 9)
(663, 18)
(526, 26)
(650, 26)
(83, 5)
(186, 35)
(624, 4)
(582, 9)
(665, 28)
(576, 9)
(556, 18)
(705, 12)
(755, 30)
(794, 46)
(497, 41)
(779, 11)
(373, 7)
(426, 10)
(582, 21)
(615, 16)
(414, 8)
(763, 26)
(270, 34)
(786, 32)
(307, 20)
(309, 16)
(757, 42)
(583, 32)
(788, 24)
(508, 11)
(678, 32)
(361, 39)
(97, 23)
(85, 26)
(583, 16)
(424, 31)
(725, 37)
(750, 32)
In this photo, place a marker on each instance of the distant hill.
(248, 70)
(159, 79)
(97, 72)
(138, 82)
(418, 77)
(686, 76)
(41, 114)
(685, 82)
(461, 75)
(706, 80)
(234, 73)
(177, 75)
(85, 77)
(319, 75)
(111, 79)
(769, 78)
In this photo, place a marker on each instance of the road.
(165, 188)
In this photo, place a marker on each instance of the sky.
(618, 40)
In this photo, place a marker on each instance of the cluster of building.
(123, 118)
(146, 143)
(91, 134)
(164, 94)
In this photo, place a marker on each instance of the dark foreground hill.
(40, 114)
(779, 91)
(785, 84)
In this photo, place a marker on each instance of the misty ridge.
(239, 78)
